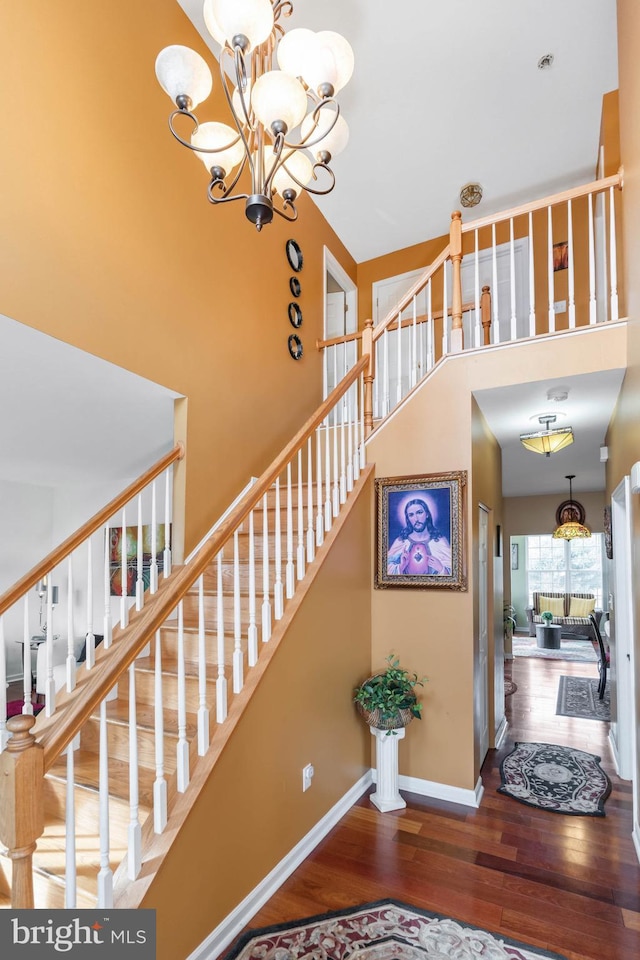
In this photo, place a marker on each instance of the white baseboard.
(501, 733)
(614, 751)
(635, 836)
(440, 791)
(231, 926)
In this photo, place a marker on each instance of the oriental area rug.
(580, 650)
(386, 930)
(578, 697)
(558, 779)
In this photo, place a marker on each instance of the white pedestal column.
(387, 796)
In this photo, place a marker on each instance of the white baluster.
(376, 382)
(70, 875)
(335, 375)
(153, 572)
(124, 611)
(266, 603)
(4, 734)
(252, 634)
(414, 342)
(552, 311)
(399, 362)
(166, 556)
(532, 282)
(335, 499)
(593, 305)
(362, 449)
(71, 658)
(50, 692)
(430, 330)
(278, 588)
(27, 679)
(386, 383)
(90, 640)
(182, 747)
(343, 451)
(613, 267)
(572, 298)
(203, 710)
(139, 560)
(512, 286)
(348, 409)
(107, 628)
(311, 537)
(325, 373)
(319, 514)
(160, 783)
(327, 478)
(290, 569)
(134, 859)
(238, 665)
(300, 556)
(105, 875)
(476, 271)
(445, 311)
(494, 281)
(221, 681)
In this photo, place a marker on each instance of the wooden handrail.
(596, 186)
(347, 338)
(114, 661)
(99, 519)
(422, 280)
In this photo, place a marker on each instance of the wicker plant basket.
(402, 719)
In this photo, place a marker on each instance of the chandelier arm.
(229, 188)
(305, 142)
(196, 126)
(226, 197)
(287, 205)
(238, 57)
(318, 192)
(278, 148)
(282, 8)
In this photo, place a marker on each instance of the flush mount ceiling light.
(548, 440)
(280, 90)
(571, 529)
(471, 195)
(545, 62)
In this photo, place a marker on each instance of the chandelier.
(571, 528)
(280, 90)
(549, 440)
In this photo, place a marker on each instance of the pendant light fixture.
(548, 440)
(280, 90)
(571, 529)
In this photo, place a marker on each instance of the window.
(560, 566)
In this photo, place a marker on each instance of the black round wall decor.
(295, 346)
(294, 256)
(295, 315)
(294, 286)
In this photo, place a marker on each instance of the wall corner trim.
(224, 933)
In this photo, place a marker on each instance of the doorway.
(340, 318)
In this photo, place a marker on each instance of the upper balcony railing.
(540, 268)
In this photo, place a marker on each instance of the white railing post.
(105, 874)
(532, 281)
(570, 282)
(182, 747)
(593, 303)
(252, 634)
(134, 857)
(221, 681)
(613, 265)
(71, 659)
(550, 278)
(238, 666)
(203, 710)
(300, 555)
(266, 602)
(160, 783)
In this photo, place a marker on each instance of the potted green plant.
(547, 617)
(388, 700)
(508, 620)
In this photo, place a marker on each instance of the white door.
(482, 685)
(623, 729)
(509, 292)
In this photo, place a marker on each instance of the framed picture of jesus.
(419, 531)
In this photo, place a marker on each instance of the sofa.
(570, 610)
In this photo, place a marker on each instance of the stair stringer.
(352, 663)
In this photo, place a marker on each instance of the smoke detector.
(557, 394)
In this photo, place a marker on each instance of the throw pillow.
(554, 605)
(581, 607)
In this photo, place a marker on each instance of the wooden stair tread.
(118, 712)
(86, 776)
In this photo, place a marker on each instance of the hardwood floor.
(565, 883)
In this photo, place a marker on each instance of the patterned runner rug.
(578, 697)
(559, 779)
(387, 930)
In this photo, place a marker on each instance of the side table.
(548, 637)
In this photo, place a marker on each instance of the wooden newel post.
(369, 375)
(455, 247)
(485, 314)
(21, 805)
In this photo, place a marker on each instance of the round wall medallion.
(295, 346)
(294, 286)
(295, 315)
(294, 256)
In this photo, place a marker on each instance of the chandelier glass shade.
(571, 529)
(548, 440)
(285, 124)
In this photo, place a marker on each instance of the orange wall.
(109, 242)
(433, 631)
(252, 810)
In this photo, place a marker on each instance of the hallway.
(565, 883)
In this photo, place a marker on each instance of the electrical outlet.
(307, 776)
